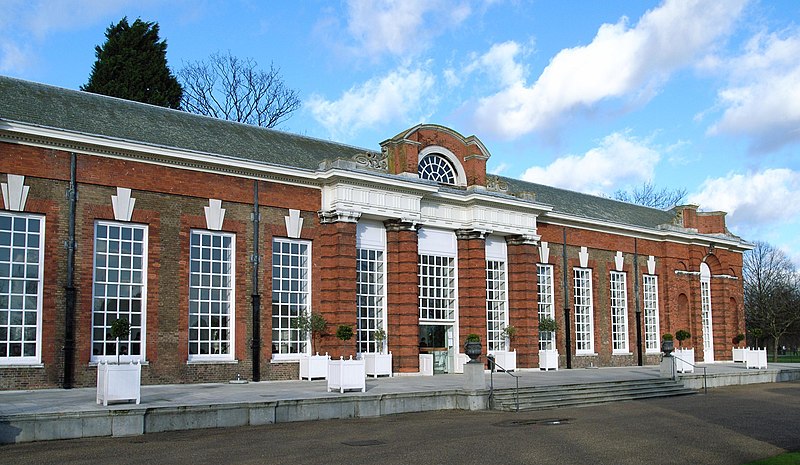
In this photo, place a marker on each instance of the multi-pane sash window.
(370, 297)
(211, 288)
(650, 288)
(120, 270)
(584, 318)
(544, 274)
(437, 287)
(21, 269)
(496, 304)
(619, 312)
(705, 301)
(291, 296)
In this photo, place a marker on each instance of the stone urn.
(667, 346)
(472, 348)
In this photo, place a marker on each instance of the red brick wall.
(471, 288)
(402, 292)
(336, 252)
(523, 302)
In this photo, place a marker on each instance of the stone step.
(541, 398)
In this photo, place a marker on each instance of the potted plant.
(378, 363)
(667, 344)
(548, 358)
(684, 357)
(739, 353)
(472, 347)
(507, 359)
(117, 381)
(312, 365)
(346, 374)
(682, 335)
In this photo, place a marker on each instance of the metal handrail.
(705, 384)
(492, 365)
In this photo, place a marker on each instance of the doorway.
(437, 340)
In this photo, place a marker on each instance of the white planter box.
(548, 359)
(314, 366)
(505, 359)
(684, 360)
(346, 374)
(378, 364)
(460, 360)
(426, 364)
(756, 358)
(118, 382)
(739, 355)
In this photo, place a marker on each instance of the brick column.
(471, 286)
(523, 306)
(336, 255)
(402, 291)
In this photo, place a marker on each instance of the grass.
(788, 358)
(790, 458)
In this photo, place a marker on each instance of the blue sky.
(587, 95)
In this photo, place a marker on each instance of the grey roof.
(592, 206)
(87, 113)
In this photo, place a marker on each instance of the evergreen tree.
(132, 64)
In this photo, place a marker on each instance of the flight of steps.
(577, 395)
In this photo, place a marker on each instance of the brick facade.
(170, 201)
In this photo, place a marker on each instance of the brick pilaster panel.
(337, 268)
(522, 301)
(471, 287)
(402, 296)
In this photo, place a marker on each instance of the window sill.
(22, 365)
(621, 353)
(285, 360)
(586, 354)
(114, 362)
(212, 362)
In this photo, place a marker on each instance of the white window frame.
(438, 288)
(108, 286)
(370, 297)
(705, 313)
(584, 311)
(303, 303)
(458, 170)
(546, 303)
(28, 270)
(496, 305)
(207, 284)
(618, 285)
(651, 324)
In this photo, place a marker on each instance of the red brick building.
(213, 237)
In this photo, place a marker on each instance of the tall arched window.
(705, 302)
(435, 167)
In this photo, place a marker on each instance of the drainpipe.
(637, 303)
(567, 334)
(69, 289)
(256, 297)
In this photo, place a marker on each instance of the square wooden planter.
(684, 360)
(548, 359)
(756, 358)
(378, 364)
(739, 355)
(346, 374)
(314, 366)
(506, 360)
(119, 382)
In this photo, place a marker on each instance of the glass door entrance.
(437, 340)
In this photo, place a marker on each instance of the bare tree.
(649, 195)
(771, 293)
(230, 88)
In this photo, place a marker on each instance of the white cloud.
(620, 159)
(400, 27)
(755, 200)
(401, 95)
(762, 98)
(499, 169)
(620, 61)
(500, 64)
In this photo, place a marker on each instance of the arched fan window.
(437, 168)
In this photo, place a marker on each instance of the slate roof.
(83, 112)
(87, 113)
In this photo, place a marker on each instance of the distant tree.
(132, 64)
(771, 293)
(649, 195)
(233, 89)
